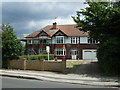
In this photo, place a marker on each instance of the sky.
(28, 17)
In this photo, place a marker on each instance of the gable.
(43, 34)
(59, 33)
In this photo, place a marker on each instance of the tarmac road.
(8, 82)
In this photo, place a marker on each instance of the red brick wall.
(68, 47)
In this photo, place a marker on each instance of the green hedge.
(108, 55)
(37, 57)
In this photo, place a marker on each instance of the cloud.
(27, 17)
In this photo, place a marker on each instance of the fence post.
(42, 65)
(24, 64)
(63, 65)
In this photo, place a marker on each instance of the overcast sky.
(27, 17)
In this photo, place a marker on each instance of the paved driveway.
(88, 68)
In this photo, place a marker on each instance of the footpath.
(70, 78)
(78, 77)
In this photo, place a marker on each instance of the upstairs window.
(29, 41)
(35, 41)
(59, 39)
(92, 41)
(43, 41)
(74, 40)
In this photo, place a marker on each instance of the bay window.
(60, 52)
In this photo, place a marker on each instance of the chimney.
(54, 25)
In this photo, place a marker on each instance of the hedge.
(108, 55)
(37, 57)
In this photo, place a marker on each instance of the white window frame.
(92, 41)
(74, 52)
(60, 52)
(83, 40)
(58, 37)
(30, 41)
(74, 40)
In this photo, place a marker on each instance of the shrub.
(37, 57)
(108, 55)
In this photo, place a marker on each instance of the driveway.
(88, 68)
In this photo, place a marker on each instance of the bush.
(108, 55)
(37, 57)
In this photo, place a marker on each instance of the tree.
(102, 22)
(101, 19)
(11, 46)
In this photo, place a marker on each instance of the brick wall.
(38, 65)
(68, 47)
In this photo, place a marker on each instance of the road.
(8, 82)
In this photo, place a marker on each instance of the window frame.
(60, 52)
(30, 41)
(63, 40)
(74, 40)
(92, 41)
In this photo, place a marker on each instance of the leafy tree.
(102, 21)
(108, 55)
(11, 46)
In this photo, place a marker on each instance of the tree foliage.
(101, 19)
(11, 46)
(108, 55)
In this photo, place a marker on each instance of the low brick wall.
(38, 65)
(52, 65)
(16, 64)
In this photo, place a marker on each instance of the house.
(65, 41)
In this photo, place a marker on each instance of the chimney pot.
(54, 25)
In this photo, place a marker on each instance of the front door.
(74, 53)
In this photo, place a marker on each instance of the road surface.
(8, 82)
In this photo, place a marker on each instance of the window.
(44, 41)
(60, 52)
(73, 40)
(88, 51)
(59, 39)
(83, 40)
(92, 41)
(74, 52)
(29, 41)
(35, 41)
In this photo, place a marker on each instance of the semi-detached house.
(65, 41)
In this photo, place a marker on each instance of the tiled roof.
(34, 34)
(69, 30)
(51, 32)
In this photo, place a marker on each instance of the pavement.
(86, 74)
(69, 78)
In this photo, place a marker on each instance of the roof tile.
(69, 30)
